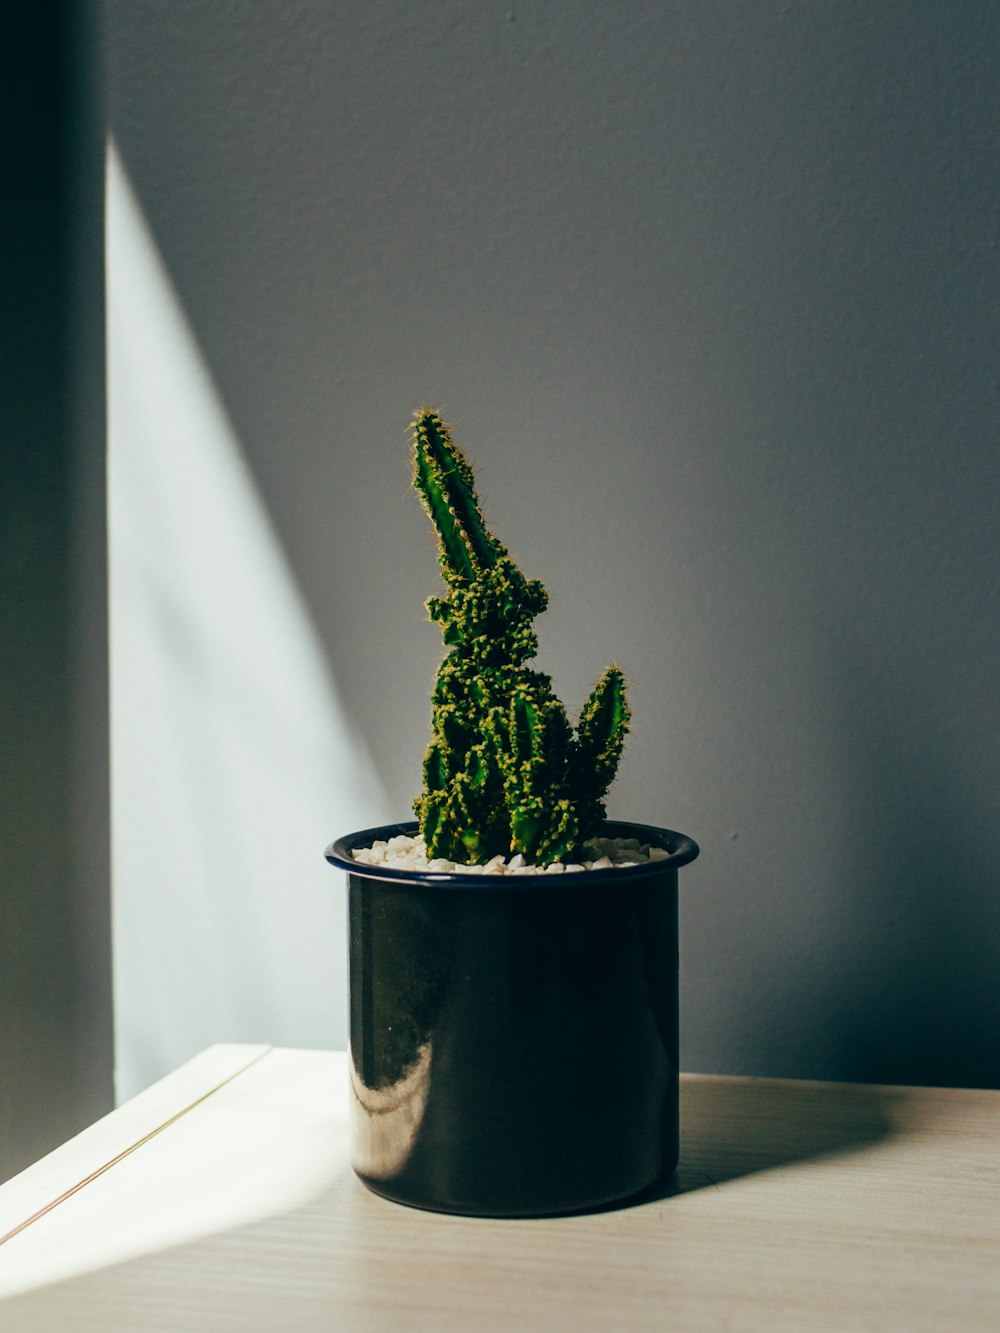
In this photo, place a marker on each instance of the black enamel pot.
(513, 1039)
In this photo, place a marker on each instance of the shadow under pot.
(513, 1039)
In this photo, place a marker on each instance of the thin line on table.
(127, 1152)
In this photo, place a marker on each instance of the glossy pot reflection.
(514, 1041)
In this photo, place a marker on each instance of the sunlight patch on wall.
(232, 761)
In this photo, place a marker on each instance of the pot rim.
(682, 850)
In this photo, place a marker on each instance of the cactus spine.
(505, 772)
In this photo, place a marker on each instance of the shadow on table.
(730, 1129)
(737, 1127)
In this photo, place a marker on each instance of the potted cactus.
(513, 954)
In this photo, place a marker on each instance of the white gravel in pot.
(406, 853)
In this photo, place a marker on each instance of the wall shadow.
(923, 1007)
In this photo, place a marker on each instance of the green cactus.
(504, 772)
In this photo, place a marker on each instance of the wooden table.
(222, 1199)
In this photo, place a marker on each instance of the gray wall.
(55, 966)
(710, 292)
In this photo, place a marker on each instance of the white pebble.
(405, 853)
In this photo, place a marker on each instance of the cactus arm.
(455, 555)
(435, 769)
(600, 733)
(443, 478)
(540, 733)
(534, 765)
(563, 834)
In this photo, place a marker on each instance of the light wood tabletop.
(222, 1199)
